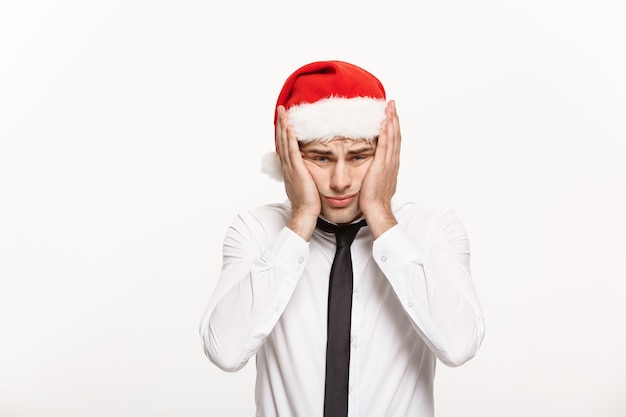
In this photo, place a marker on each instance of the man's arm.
(426, 261)
(263, 261)
(259, 277)
(432, 282)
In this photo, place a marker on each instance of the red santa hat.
(329, 99)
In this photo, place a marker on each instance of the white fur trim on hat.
(329, 118)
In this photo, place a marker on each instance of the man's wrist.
(303, 225)
(380, 221)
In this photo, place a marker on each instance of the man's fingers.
(287, 144)
(282, 135)
(384, 147)
(392, 134)
(396, 129)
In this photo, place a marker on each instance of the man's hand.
(379, 184)
(299, 185)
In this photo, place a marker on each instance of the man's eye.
(322, 159)
(360, 158)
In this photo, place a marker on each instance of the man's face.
(338, 168)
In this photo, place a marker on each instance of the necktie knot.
(344, 234)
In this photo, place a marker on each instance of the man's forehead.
(346, 143)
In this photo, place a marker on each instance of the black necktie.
(339, 315)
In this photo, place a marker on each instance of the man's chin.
(342, 216)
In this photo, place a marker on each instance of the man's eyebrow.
(357, 151)
(326, 152)
(318, 151)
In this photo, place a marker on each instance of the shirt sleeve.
(432, 281)
(255, 284)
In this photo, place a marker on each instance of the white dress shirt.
(413, 302)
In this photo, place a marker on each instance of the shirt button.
(300, 259)
(349, 390)
(409, 304)
(383, 258)
(277, 309)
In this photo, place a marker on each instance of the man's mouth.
(340, 201)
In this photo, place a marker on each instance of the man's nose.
(341, 177)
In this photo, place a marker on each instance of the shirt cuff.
(394, 249)
(289, 253)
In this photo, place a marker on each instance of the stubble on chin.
(342, 216)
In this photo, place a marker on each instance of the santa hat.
(329, 99)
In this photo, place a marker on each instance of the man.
(333, 337)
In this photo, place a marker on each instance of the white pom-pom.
(270, 165)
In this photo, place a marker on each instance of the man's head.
(336, 110)
(327, 100)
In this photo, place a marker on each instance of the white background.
(132, 133)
